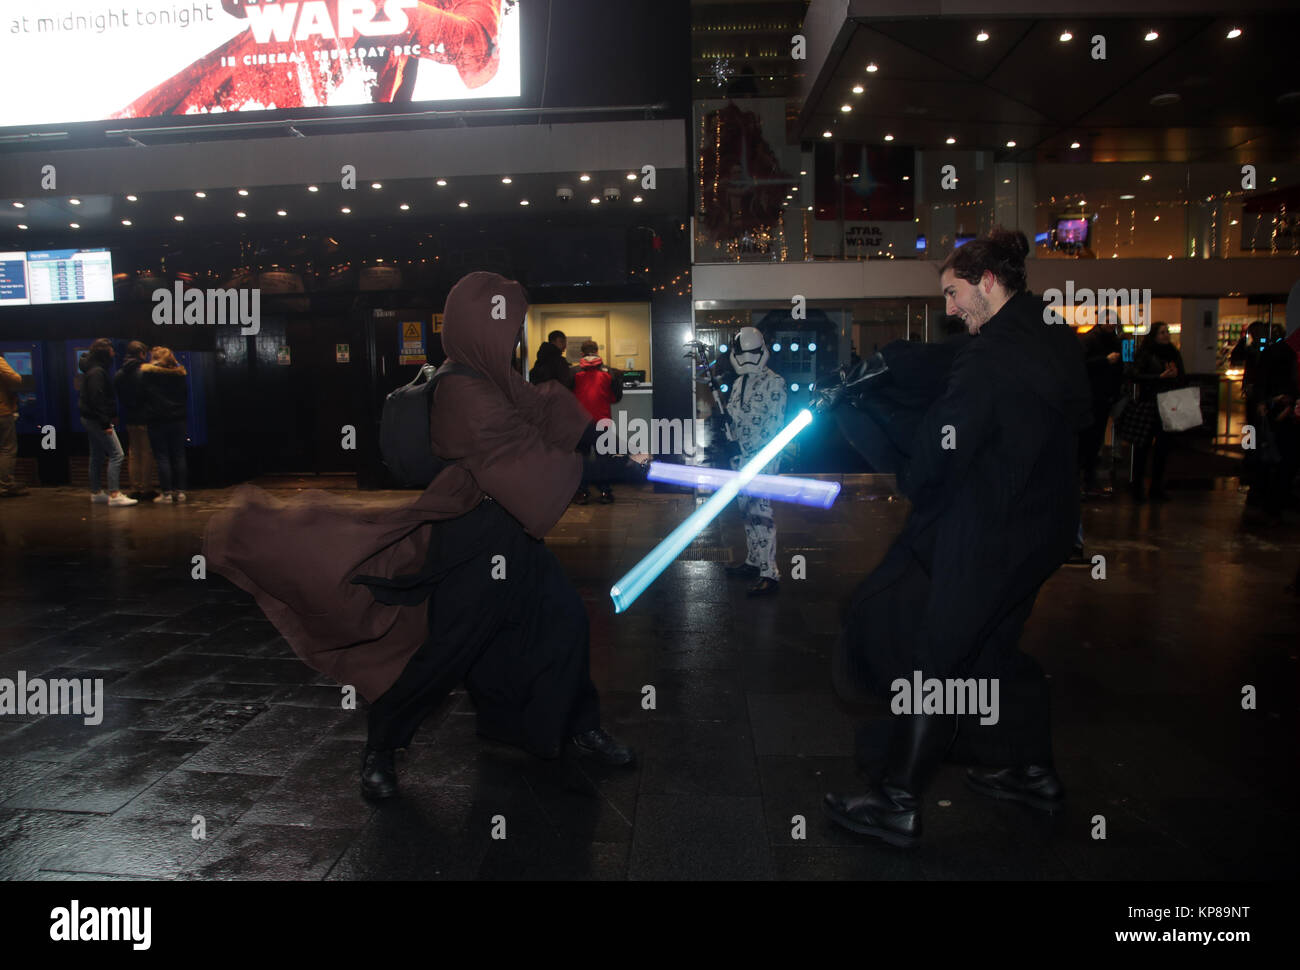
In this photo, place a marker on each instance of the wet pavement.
(221, 756)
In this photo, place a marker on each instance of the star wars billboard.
(71, 61)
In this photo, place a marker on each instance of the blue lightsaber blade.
(640, 576)
(779, 488)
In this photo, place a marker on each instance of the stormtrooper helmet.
(749, 351)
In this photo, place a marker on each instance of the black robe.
(990, 471)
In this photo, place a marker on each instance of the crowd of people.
(148, 396)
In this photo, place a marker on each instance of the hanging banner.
(86, 60)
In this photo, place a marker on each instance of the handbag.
(404, 427)
(1180, 409)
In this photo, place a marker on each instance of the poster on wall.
(84, 60)
(412, 343)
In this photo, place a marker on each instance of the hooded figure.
(757, 411)
(990, 471)
(406, 603)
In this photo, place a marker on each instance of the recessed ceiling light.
(200, 195)
(1127, 195)
(803, 171)
(826, 134)
(243, 191)
(376, 185)
(1011, 144)
(22, 225)
(74, 201)
(463, 205)
(132, 198)
(1233, 222)
(281, 212)
(846, 108)
(1006, 181)
(126, 222)
(506, 180)
(907, 178)
(584, 178)
(1075, 145)
(179, 218)
(858, 89)
(1234, 33)
(442, 182)
(1146, 178)
(637, 198)
(313, 188)
(19, 205)
(1156, 219)
(889, 138)
(982, 36)
(75, 225)
(404, 207)
(523, 201)
(595, 200)
(241, 215)
(950, 140)
(631, 176)
(1066, 36)
(345, 210)
(872, 68)
(1273, 179)
(1151, 35)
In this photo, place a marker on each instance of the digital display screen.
(20, 361)
(13, 279)
(97, 62)
(1071, 232)
(70, 276)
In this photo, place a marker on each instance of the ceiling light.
(907, 178)
(982, 36)
(132, 198)
(595, 200)
(1066, 36)
(826, 134)
(126, 222)
(74, 201)
(313, 188)
(637, 198)
(1011, 144)
(1233, 222)
(200, 195)
(1006, 181)
(1234, 33)
(1127, 195)
(1075, 145)
(75, 225)
(442, 182)
(584, 177)
(241, 215)
(872, 68)
(506, 180)
(803, 171)
(523, 201)
(858, 89)
(463, 205)
(345, 210)
(281, 212)
(631, 176)
(889, 138)
(1146, 178)
(179, 218)
(846, 108)
(376, 185)
(950, 140)
(19, 205)
(243, 191)
(22, 225)
(1156, 219)
(1151, 35)
(404, 207)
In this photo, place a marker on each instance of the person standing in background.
(165, 392)
(1158, 367)
(1102, 357)
(10, 381)
(98, 416)
(550, 364)
(139, 456)
(596, 388)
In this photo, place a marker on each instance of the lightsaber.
(640, 576)
(779, 488)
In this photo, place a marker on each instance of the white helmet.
(749, 351)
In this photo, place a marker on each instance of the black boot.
(741, 568)
(1034, 785)
(891, 810)
(378, 774)
(602, 747)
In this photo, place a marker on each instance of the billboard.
(86, 61)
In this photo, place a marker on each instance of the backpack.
(404, 427)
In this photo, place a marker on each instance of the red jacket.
(594, 387)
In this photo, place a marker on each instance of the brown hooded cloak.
(503, 437)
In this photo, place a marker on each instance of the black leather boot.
(603, 747)
(891, 810)
(1035, 785)
(378, 774)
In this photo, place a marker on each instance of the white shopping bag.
(1180, 409)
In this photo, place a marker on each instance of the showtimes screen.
(70, 276)
(87, 60)
(13, 279)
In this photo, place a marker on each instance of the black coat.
(1104, 378)
(95, 402)
(127, 383)
(550, 365)
(164, 394)
(993, 516)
